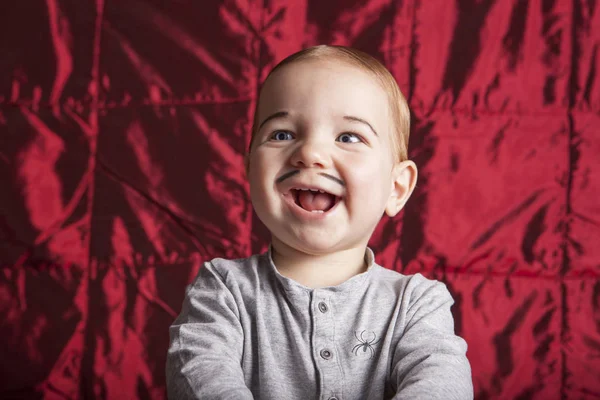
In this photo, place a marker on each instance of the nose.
(311, 153)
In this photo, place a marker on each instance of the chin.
(317, 248)
(315, 244)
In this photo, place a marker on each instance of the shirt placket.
(324, 350)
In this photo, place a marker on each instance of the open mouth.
(314, 200)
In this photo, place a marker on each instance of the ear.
(404, 180)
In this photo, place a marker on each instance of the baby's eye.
(349, 138)
(282, 135)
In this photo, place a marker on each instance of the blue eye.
(281, 135)
(348, 138)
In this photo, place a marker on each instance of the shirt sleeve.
(206, 343)
(430, 360)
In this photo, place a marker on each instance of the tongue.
(311, 201)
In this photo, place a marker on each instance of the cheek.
(256, 179)
(258, 170)
(370, 172)
(261, 176)
(371, 184)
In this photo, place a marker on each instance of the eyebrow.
(279, 114)
(362, 121)
(283, 114)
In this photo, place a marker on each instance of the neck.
(318, 270)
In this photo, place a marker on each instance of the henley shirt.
(247, 332)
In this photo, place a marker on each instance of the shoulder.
(238, 266)
(419, 301)
(237, 276)
(410, 287)
(231, 271)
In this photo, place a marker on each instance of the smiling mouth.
(314, 200)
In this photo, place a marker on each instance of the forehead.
(318, 88)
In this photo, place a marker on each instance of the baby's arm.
(205, 353)
(430, 360)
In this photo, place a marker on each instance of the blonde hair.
(398, 104)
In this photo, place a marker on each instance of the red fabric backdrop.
(122, 131)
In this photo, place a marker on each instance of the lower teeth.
(318, 211)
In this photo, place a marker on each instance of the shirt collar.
(350, 285)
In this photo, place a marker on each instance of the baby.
(315, 317)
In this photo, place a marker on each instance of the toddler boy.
(315, 317)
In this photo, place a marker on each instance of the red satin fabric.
(123, 126)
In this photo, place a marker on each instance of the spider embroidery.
(364, 344)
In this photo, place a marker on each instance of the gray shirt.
(246, 331)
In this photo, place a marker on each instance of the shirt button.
(326, 354)
(323, 307)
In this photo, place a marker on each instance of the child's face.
(323, 126)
